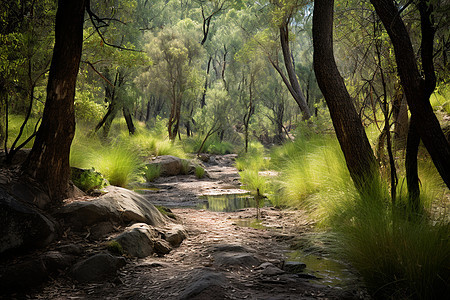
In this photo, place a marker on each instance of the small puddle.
(228, 202)
(328, 271)
(252, 223)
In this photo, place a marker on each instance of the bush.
(88, 180)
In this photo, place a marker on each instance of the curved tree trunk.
(48, 162)
(352, 138)
(295, 89)
(418, 89)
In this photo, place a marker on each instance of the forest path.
(220, 259)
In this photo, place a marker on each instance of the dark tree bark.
(128, 119)
(417, 88)
(295, 89)
(352, 138)
(412, 177)
(48, 162)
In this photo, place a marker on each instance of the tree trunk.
(128, 119)
(412, 177)
(352, 138)
(48, 162)
(418, 89)
(296, 90)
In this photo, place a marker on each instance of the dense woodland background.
(324, 93)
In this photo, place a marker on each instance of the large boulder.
(99, 267)
(171, 165)
(117, 205)
(22, 225)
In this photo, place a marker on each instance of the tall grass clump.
(119, 163)
(309, 168)
(399, 255)
(254, 159)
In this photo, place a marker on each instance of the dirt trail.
(193, 270)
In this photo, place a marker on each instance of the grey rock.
(96, 268)
(204, 280)
(118, 205)
(294, 267)
(175, 235)
(161, 246)
(23, 226)
(235, 259)
(138, 240)
(268, 269)
(169, 165)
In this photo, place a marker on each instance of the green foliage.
(152, 172)
(115, 247)
(199, 172)
(88, 180)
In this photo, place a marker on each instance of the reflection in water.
(329, 271)
(229, 202)
(252, 223)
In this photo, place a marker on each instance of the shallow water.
(328, 271)
(228, 202)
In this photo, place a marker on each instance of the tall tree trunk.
(296, 91)
(208, 68)
(128, 119)
(412, 177)
(352, 138)
(3, 115)
(417, 88)
(48, 162)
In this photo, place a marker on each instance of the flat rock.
(268, 269)
(235, 259)
(203, 282)
(117, 205)
(96, 268)
(22, 225)
(294, 267)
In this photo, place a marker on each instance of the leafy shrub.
(88, 180)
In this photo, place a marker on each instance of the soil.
(192, 264)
